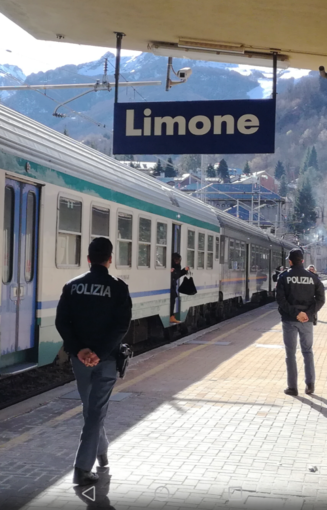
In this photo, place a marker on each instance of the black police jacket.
(94, 311)
(298, 290)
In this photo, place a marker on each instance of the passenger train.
(57, 194)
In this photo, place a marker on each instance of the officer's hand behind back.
(302, 317)
(89, 358)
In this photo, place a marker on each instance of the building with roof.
(253, 203)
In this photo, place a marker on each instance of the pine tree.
(283, 186)
(313, 159)
(279, 170)
(247, 169)
(305, 162)
(158, 170)
(304, 207)
(191, 162)
(223, 171)
(211, 173)
(170, 170)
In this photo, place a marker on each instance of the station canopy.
(240, 31)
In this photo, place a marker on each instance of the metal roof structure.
(208, 30)
(245, 214)
(226, 192)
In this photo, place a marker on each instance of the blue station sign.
(195, 127)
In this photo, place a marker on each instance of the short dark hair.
(100, 250)
(296, 256)
(176, 257)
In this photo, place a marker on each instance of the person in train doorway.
(300, 295)
(176, 273)
(93, 316)
(312, 269)
(277, 272)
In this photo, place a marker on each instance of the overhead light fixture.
(209, 46)
(218, 52)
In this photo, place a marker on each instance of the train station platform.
(201, 423)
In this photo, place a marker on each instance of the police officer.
(93, 316)
(300, 295)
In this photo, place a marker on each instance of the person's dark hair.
(296, 256)
(100, 250)
(176, 257)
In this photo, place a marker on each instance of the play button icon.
(91, 495)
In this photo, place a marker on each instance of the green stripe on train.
(43, 173)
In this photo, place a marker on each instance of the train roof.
(25, 138)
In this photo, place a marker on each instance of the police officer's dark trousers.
(291, 329)
(95, 385)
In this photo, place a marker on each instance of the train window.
(144, 257)
(30, 236)
(253, 258)
(266, 259)
(242, 266)
(69, 232)
(238, 256)
(201, 248)
(232, 255)
(190, 248)
(100, 222)
(217, 249)
(161, 255)
(222, 249)
(260, 259)
(125, 228)
(8, 235)
(210, 253)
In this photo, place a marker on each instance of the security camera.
(182, 74)
(322, 72)
(185, 73)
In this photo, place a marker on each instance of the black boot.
(310, 388)
(82, 477)
(103, 460)
(291, 391)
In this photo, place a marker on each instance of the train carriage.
(57, 194)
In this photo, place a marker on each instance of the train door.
(20, 233)
(176, 242)
(270, 268)
(247, 264)
(176, 248)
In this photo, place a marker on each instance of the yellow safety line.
(76, 410)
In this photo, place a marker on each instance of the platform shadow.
(99, 494)
(313, 405)
(162, 386)
(321, 399)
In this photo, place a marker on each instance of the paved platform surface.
(202, 424)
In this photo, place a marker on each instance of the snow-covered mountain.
(209, 80)
(10, 76)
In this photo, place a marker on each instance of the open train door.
(176, 248)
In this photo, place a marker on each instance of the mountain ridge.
(301, 108)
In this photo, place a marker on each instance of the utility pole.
(259, 208)
(203, 176)
(252, 206)
(119, 36)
